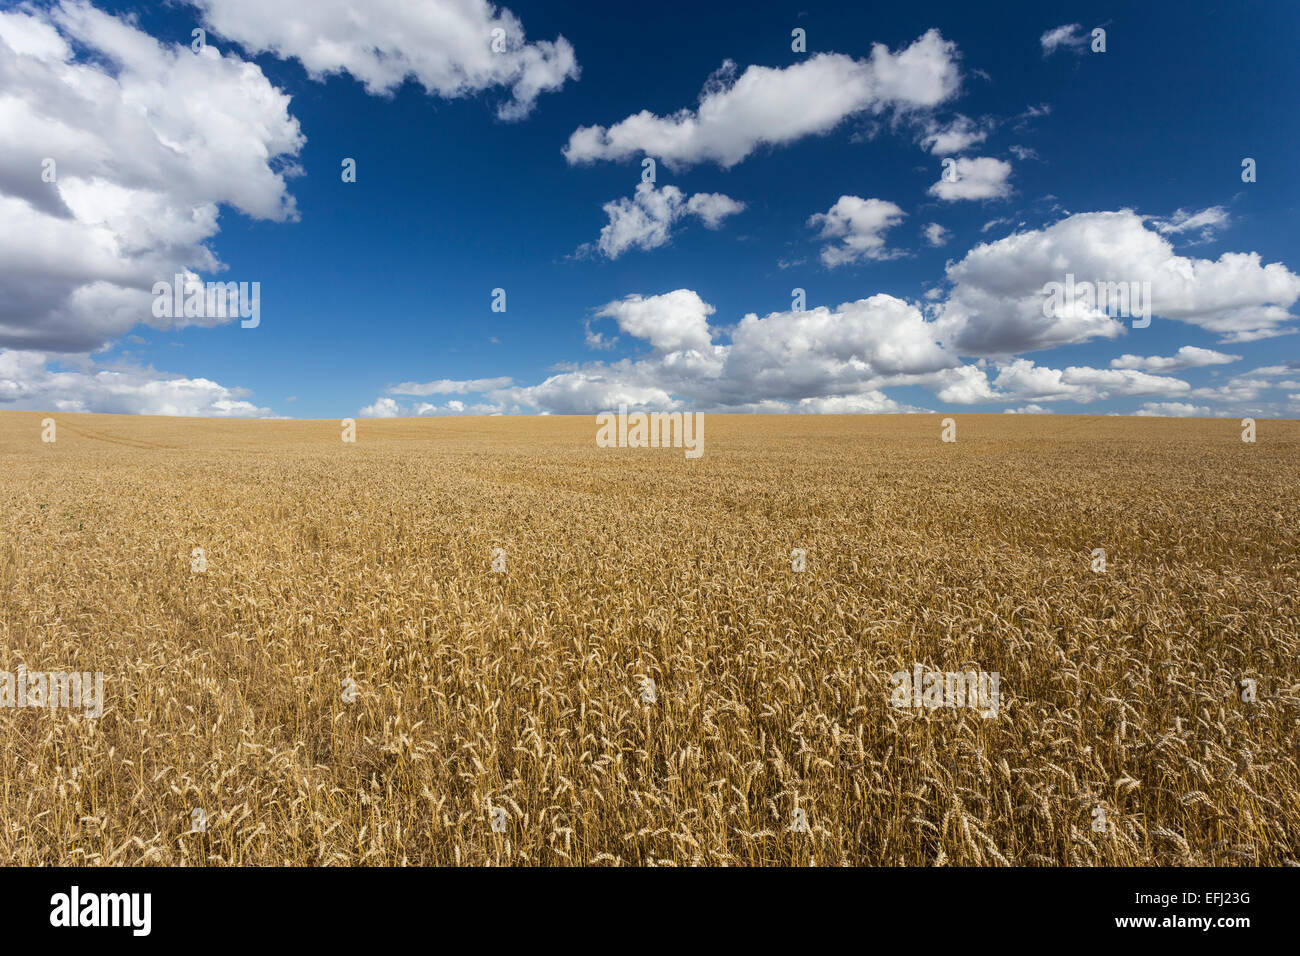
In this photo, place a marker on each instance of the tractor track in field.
(111, 439)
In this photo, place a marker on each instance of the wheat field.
(348, 681)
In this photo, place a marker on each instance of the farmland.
(487, 641)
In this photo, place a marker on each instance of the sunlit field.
(487, 641)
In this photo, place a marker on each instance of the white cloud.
(148, 139)
(842, 360)
(390, 408)
(642, 222)
(1070, 36)
(776, 106)
(820, 353)
(961, 133)
(996, 303)
(1032, 113)
(1028, 410)
(448, 386)
(818, 360)
(597, 340)
(864, 403)
(981, 177)
(1255, 335)
(859, 224)
(1021, 379)
(712, 208)
(1189, 356)
(454, 407)
(597, 389)
(447, 46)
(964, 385)
(28, 382)
(936, 235)
(673, 322)
(645, 221)
(1246, 388)
(1173, 410)
(1207, 221)
(382, 408)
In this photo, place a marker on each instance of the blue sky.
(1123, 165)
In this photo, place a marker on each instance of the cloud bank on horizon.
(131, 151)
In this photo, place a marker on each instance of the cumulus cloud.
(390, 408)
(1070, 37)
(446, 47)
(386, 407)
(964, 385)
(448, 386)
(455, 408)
(674, 322)
(1022, 379)
(645, 221)
(859, 225)
(823, 352)
(1173, 410)
(839, 360)
(28, 381)
(767, 106)
(382, 408)
(872, 402)
(1241, 391)
(818, 360)
(1254, 335)
(996, 305)
(148, 139)
(712, 208)
(594, 389)
(936, 235)
(1189, 356)
(957, 135)
(982, 177)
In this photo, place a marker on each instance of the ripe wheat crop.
(491, 642)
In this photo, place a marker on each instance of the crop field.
(488, 641)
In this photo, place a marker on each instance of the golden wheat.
(649, 682)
